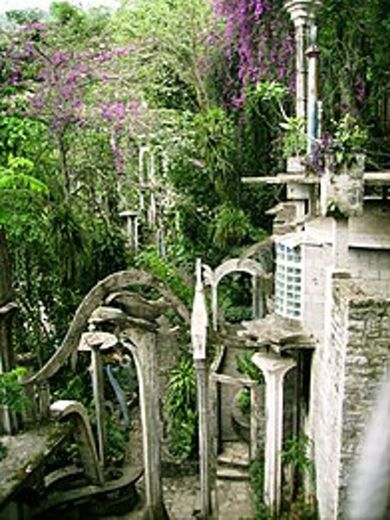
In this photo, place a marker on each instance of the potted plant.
(294, 140)
(342, 185)
(294, 144)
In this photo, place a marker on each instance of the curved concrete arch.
(140, 340)
(66, 409)
(91, 301)
(235, 265)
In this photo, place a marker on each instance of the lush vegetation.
(82, 93)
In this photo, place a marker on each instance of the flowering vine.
(258, 44)
(67, 89)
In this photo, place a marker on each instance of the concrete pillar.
(131, 228)
(301, 12)
(215, 397)
(199, 322)
(340, 244)
(257, 298)
(255, 423)
(274, 369)
(204, 448)
(142, 343)
(312, 91)
(300, 69)
(98, 397)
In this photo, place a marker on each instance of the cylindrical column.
(98, 397)
(300, 80)
(199, 321)
(312, 91)
(255, 424)
(274, 369)
(301, 11)
(204, 454)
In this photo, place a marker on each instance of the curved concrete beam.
(67, 409)
(92, 300)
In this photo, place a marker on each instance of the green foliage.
(246, 366)
(173, 37)
(166, 272)
(117, 439)
(349, 139)
(18, 187)
(303, 504)
(12, 393)
(181, 410)
(77, 387)
(294, 137)
(244, 401)
(296, 452)
(256, 476)
(232, 226)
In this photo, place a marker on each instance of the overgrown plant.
(302, 503)
(256, 476)
(181, 410)
(12, 392)
(246, 366)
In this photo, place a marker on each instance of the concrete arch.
(66, 409)
(141, 343)
(236, 265)
(92, 300)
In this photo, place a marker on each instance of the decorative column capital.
(271, 364)
(301, 11)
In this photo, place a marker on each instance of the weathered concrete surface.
(346, 370)
(25, 452)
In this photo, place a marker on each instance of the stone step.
(235, 462)
(226, 473)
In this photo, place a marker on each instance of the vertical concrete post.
(255, 423)
(257, 298)
(340, 244)
(300, 68)
(312, 91)
(98, 397)
(301, 11)
(199, 321)
(143, 346)
(274, 369)
(204, 449)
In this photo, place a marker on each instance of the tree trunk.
(5, 270)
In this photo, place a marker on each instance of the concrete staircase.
(233, 462)
(235, 500)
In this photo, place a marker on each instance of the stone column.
(98, 397)
(255, 424)
(257, 298)
(131, 228)
(301, 11)
(204, 449)
(274, 369)
(312, 91)
(143, 346)
(199, 321)
(340, 244)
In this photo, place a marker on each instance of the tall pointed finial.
(199, 319)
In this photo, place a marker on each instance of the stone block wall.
(346, 370)
(367, 352)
